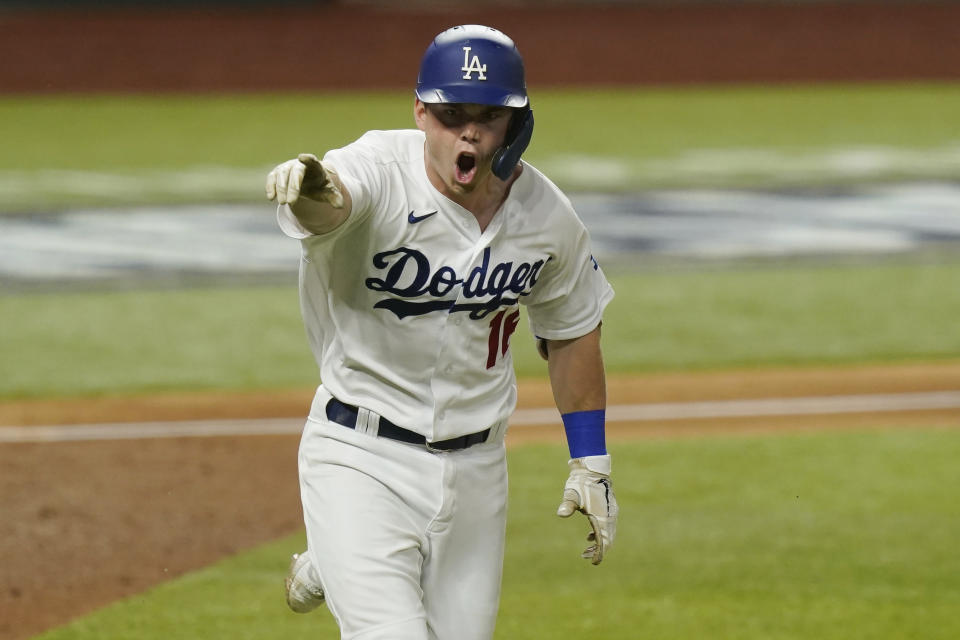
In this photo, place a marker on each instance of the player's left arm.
(579, 389)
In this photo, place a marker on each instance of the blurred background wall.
(248, 45)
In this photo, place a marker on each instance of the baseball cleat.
(302, 595)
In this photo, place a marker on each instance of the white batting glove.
(589, 490)
(305, 176)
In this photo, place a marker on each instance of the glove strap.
(585, 432)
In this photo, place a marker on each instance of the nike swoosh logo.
(412, 219)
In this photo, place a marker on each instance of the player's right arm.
(312, 190)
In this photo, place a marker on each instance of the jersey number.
(501, 328)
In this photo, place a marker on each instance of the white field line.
(918, 401)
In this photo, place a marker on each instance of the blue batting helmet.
(480, 65)
(472, 64)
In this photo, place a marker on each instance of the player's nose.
(470, 132)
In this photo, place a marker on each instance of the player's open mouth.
(466, 167)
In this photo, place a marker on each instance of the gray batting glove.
(589, 490)
(305, 176)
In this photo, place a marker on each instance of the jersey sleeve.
(573, 291)
(362, 176)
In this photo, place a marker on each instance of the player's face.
(461, 141)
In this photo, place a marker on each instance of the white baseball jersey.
(409, 307)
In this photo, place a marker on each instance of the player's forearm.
(576, 373)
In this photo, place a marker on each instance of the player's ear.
(420, 114)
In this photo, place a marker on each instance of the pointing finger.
(308, 159)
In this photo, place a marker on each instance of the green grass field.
(175, 131)
(112, 150)
(252, 337)
(841, 536)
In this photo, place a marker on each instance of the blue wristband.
(585, 433)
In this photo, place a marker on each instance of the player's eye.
(451, 117)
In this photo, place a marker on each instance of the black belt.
(346, 414)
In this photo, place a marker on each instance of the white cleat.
(303, 596)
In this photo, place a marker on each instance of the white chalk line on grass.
(650, 412)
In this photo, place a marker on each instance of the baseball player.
(418, 247)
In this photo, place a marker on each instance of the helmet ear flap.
(516, 141)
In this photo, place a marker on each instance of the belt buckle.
(433, 449)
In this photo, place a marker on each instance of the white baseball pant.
(408, 544)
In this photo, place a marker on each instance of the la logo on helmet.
(469, 66)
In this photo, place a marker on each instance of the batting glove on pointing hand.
(306, 176)
(589, 490)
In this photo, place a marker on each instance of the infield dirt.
(86, 523)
